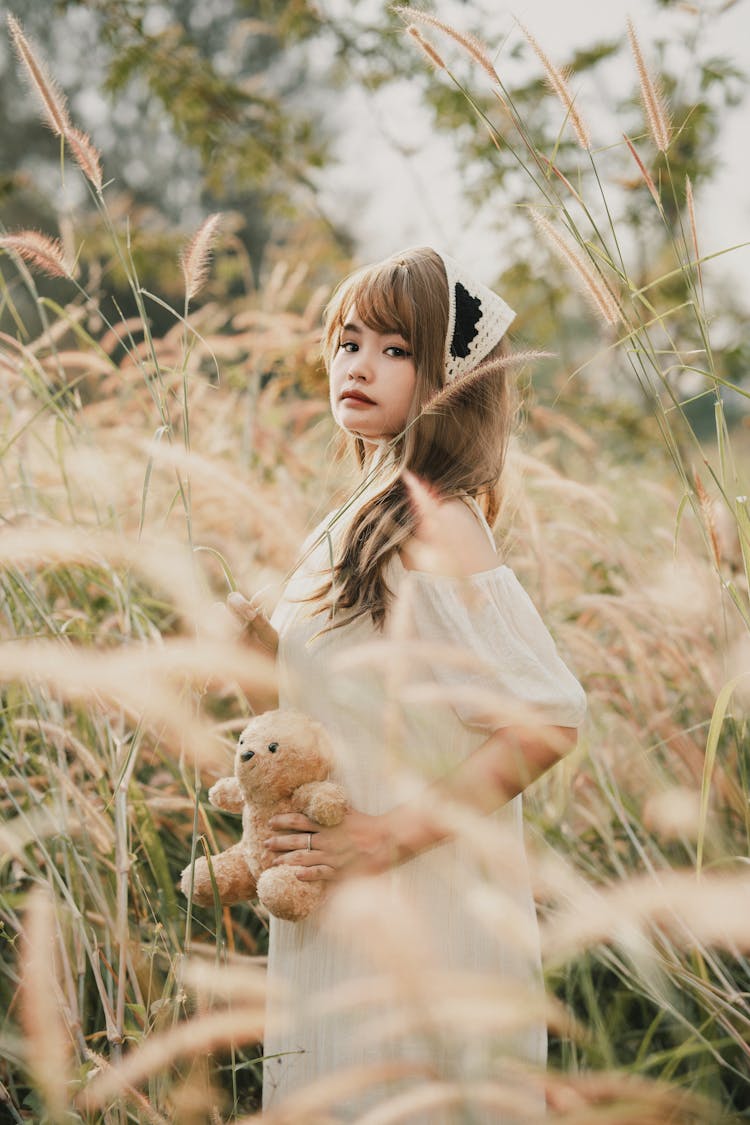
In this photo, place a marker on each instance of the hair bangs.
(382, 298)
(384, 302)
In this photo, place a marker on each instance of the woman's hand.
(259, 635)
(256, 626)
(360, 845)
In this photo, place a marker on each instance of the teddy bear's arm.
(234, 881)
(227, 795)
(323, 801)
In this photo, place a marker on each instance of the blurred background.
(327, 137)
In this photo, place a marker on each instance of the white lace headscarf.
(477, 320)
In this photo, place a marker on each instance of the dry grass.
(559, 84)
(195, 258)
(102, 604)
(590, 283)
(45, 254)
(652, 95)
(137, 489)
(53, 101)
(473, 47)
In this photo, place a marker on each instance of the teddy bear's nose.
(248, 754)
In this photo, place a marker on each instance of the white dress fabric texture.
(402, 713)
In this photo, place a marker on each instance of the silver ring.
(309, 841)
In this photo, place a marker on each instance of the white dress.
(401, 712)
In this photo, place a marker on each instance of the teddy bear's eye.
(273, 747)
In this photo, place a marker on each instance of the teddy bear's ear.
(321, 733)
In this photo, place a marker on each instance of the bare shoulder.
(449, 539)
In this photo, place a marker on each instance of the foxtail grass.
(559, 85)
(130, 508)
(652, 95)
(44, 253)
(53, 101)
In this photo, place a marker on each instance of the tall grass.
(144, 477)
(665, 786)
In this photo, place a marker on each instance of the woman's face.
(372, 380)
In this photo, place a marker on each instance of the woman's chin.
(362, 432)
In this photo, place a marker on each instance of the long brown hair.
(455, 437)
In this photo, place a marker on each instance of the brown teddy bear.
(282, 764)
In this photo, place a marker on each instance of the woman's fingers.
(291, 842)
(245, 611)
(254, 618)
(293, 822)
(302, 859)
(320, 873)
(293, 850)
(313, 869)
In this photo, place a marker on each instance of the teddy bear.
(282, 764)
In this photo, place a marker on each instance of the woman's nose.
(360, 367)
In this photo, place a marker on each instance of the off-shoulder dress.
(402, 707)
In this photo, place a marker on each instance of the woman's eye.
(398, 353)
(348, 346)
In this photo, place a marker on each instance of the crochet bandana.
(477, 320)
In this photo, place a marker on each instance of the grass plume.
(195, 257)
(590, 284)
(39, 250)
(48, 1042)
(86, 156)
(54, 107)
(222, 1028)
(557, 81)
(652, 95)
(426, 47)
(644, 172)
(53, 101)
(707, 512)
(473, 47)
(451, 392)
(561, 177)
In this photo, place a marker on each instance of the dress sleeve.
(490, 652)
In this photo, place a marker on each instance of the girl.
(462, 689)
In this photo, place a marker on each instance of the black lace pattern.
(468, 315)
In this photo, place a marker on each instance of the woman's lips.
(357, 396)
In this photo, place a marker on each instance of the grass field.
(145, 477)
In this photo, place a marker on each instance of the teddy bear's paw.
(323, 801)
(226, 794)
(234, 881)
(197, 881)
(282, 893)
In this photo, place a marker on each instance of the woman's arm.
(498, 770)
(257, 633)
(503, 766)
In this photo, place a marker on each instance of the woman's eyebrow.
(349, 327)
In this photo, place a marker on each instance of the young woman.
(404, 634)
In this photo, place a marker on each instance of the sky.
(398, 182)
